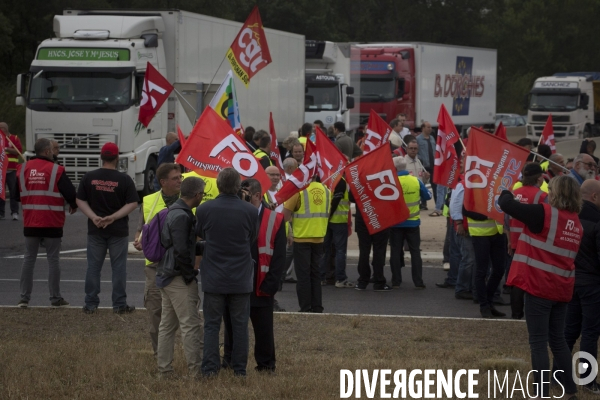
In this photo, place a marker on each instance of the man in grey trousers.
(43, 189)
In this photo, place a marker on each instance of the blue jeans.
(546, 326)
(464, 280)
(440, 197)
(452, 277)
(338, 235)
(583, 317)
(117, 247)
(238, 308)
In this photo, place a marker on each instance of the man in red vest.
(44, 187)
(268, 253)
(13, 148)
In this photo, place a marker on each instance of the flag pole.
(547, 159)
(213, 78)
(14, 147)
(183, 98)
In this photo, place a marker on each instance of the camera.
(244, 192)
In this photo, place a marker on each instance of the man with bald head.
(553, 169)
(583, 313)
(584, 167)
(167, 153)
(289, 166)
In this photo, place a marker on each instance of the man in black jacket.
(176, 279)
(583, 313)
(261, 307)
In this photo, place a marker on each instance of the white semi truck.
(573, 99)
(83, 88)
(328, 88)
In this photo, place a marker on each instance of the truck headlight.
(572, 130)
(123, 164)
(529, 130)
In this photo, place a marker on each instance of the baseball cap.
(532, 169)
(110, 150)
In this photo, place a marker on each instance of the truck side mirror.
(349, 90)
(20, 84)
(349, 102)
(585, 100)
(401, 87)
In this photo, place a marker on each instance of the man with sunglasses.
(584, 167)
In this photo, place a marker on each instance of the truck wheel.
(587, 132)
(149, 175)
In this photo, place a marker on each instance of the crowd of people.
(244, 245)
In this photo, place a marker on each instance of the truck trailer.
(84, 86)
(573, 100)
(416, 78)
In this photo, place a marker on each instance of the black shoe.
(517, 316)
(445, 285)
(593, 387)
(423, 208)
(497, 313)
(290, 280)
(361, 286)
(124, 310)
(89, 310)
(384, 288)
(486, 313)
(464, 296)
(277, 308)
(499, 301)
(420, 287)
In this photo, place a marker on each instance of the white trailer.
(84, 86)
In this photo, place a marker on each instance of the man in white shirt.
(405, 131)
(413, 164)
(395, 136)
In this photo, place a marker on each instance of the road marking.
(43, 254)
(65, 280)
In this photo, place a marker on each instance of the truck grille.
(559, 131)
(76, 167)
(555, 118)
(83, 143)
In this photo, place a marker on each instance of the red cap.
(110, 149)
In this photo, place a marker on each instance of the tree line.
(533, 38)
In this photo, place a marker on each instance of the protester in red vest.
(268, 253)
(543, 266)
(44, 187)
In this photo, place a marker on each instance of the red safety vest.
(269, 225)
(526, 195)
(543, 264)
(43, 205)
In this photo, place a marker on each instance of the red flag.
(3, 164)
(275, 155)
(446, 165)
(155, 92)
(376, 189)
(249, 52)
(330, 160)
(214, 145)
(301, 177)
(547, 137)
(491, 166)
(181, 137)
(501, 131)
(377, 133)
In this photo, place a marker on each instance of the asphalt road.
(432, 301)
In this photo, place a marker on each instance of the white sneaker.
(344, 284)
(15, 217)
(446, 266)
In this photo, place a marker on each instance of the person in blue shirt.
(167, 152)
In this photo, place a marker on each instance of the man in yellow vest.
(414, 191)
(490, 245)
(169, 178)
(309, 213)
(337, 235)
(210, 189)
(264, 150)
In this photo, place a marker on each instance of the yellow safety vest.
(259, 154)
(310, 221)
(302, 139)
(489, 227)
(210, 190)
(340, 215)
(412, 195)
(545, 165)
(543, 188)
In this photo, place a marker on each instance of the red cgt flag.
(446, 165)
(301, 177)
(377, 133)
(547, 137)
(501, 131)
(376, 189)
(275, 155)
(214, 145)
(249, 52)
(180, 136)
(3, 164)
(155, 92)
(330, 160)
(491, 166)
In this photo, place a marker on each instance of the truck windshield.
(377, 90)
(322, 97)
(553, 102)
(89, 91)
